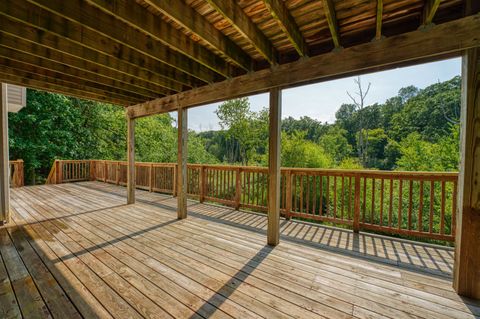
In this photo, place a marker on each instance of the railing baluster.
(432, 202)
(400, 202)
(372, 221)
(410, 193)
(334, 197)
(420, 208)
(442, 209)
(382, 189)
(356, 205)
(454, 209)
(390, 204)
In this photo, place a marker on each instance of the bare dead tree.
(359, 102)
(455, 120)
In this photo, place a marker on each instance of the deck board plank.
(215, 263)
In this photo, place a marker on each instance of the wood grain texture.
(4, 164)
(239, 20)
(274, 131)
(131, 174)
(447, 38)
(467, 260)
(113, 260)
(182, 129)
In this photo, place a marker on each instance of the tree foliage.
(53, 126)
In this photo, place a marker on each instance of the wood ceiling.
(127, 52)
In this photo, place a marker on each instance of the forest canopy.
(415, 130)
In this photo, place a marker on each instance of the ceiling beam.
(330, 15)
(39, 83)
(33, 53)
(85, 31)
(100, 25)
(65, 70)
(239, 20)
(133, 14)
(379, 20)
(193, 21)
(409, 48)
(282, 15)
(68, 80)
(429, 10)
(87, 58)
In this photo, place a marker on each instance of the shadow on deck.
(76, 250)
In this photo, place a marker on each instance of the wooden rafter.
(137, 16)
(441, 40)
(81, 42)
(280, 13)
(15, 68)
(191, 20)
(101, 25)
(56, 86)
(95, 87)
(235, 15)
(19, 47)
(31, 53)
(379, 20)
(330, 15)
(431, 7)
(102, 32)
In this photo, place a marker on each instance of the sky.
(320, 101)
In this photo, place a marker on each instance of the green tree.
(335, 142)
(297, 152)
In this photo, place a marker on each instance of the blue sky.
(320, 101)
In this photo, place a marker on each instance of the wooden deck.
(76, 250)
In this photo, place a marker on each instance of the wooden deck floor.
(75, 250)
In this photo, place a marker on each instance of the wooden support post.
(466, 280)
(131, 160)
(288, 193)
(182, 164)
(4, 163)
(356, 205)
(238, 188)
(273, 231)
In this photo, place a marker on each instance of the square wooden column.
(182, 127)
(131, 182)
(466, 279)
(273, 231)
(4, 163)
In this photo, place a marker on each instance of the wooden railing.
(16, 173)
(420, 204)
(64, 171)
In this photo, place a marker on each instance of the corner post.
(130, 160)
(466, 279)
(182, 163)
(273, 231)
(4, 163)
